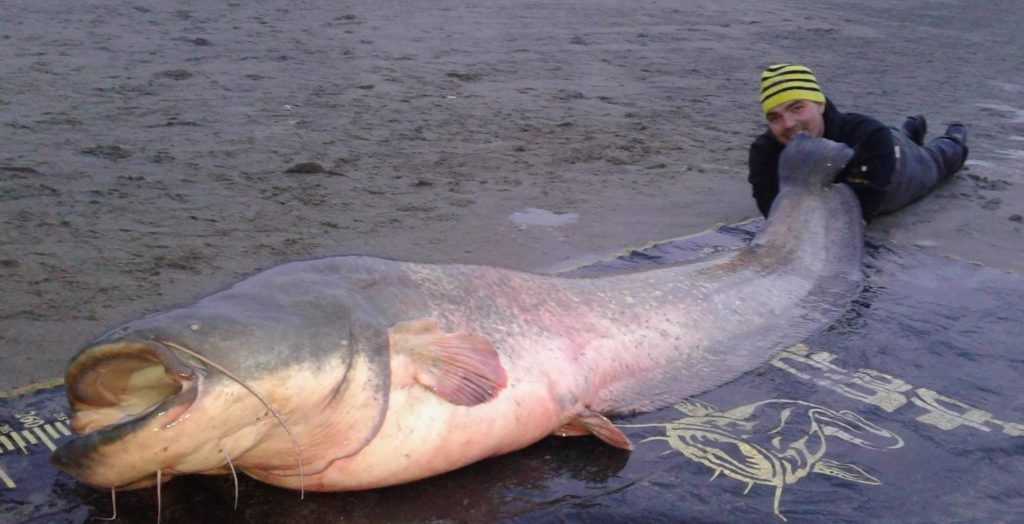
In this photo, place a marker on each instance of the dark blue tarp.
(908, 409)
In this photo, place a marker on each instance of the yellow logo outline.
(772, 442)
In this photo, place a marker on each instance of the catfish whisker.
(113, 504)
(234, 475)
(288, 430)
(159, 502)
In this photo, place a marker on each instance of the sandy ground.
(154, 152)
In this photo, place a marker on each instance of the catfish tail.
(811, 162)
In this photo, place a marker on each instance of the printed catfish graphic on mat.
(773, 442)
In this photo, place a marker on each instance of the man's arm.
(764, 173)
(870, 170)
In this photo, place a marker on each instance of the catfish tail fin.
(811, 162)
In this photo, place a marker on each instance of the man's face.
(796, 116)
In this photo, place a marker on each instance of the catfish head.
(261, 376)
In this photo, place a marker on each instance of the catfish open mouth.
(118, 388)
(123, 381)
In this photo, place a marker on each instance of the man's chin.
(785, 140)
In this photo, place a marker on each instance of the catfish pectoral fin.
(462, 368)
(589, 422)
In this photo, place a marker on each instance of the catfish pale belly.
(356, 372)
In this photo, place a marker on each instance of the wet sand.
(154, 154)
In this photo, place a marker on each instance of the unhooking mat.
(908, 409)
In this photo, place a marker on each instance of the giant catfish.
(349, 373)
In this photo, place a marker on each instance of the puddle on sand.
(533, 216)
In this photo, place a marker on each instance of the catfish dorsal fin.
(588, 422)
(460, 367)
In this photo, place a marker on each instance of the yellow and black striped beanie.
(781, 83)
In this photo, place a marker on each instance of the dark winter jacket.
(868, 172)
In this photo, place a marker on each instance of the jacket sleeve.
(764, 174)
(869, 171)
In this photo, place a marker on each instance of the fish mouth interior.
(115, 383)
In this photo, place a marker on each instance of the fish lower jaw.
(89, 421)
(146, 482)
(134, 463)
